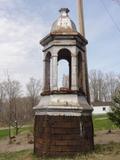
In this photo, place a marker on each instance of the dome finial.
(63, 24)
(66, 10)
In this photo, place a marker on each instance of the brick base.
(62, 135)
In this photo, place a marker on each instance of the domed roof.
(63, 24)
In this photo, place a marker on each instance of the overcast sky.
(24, 22)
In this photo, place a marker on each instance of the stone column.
(70, 75)
(54, 85)
(83, 74)
(43, 75)
(48, 74)
(46, 78)
(51, 74)
(74, 85)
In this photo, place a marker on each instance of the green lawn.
(5, 132)
(101, 122)
(101, 152)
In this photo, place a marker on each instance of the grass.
(102, 122)
(101, 116)
(102, 152)
(26, 129)
(5, 132)
(16, 155)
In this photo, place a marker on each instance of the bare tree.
(112, 84)
(33, 92)
(16, 110)
(96, 85)
(93, 85)
(13, 92)
(118, 87)
(103, 85)
(2, 100)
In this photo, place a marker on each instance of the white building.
(101, 108)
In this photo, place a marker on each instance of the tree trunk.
(9, 133)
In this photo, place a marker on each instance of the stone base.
(62, 135)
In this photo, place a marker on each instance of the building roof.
(63, 24)
(98, 104)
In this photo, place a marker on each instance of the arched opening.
(64, 69)
(47, 72)
(63, 74)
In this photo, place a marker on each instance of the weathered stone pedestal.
(63, 118)
(63, 129)
(63, 135)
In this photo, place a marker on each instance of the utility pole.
(80, 17)
(81, 26)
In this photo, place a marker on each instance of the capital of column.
(54, 54)
(74, 55)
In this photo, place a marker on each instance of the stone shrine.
(63, 117)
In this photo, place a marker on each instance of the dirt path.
(5, 147)
(103, 137)
(18, 144)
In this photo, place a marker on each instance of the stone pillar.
(46, 79)
(83, 74)
(48, 74)
(69, 75)
(54, 85)
(51, 74)
(43, 75)
(74, 85)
